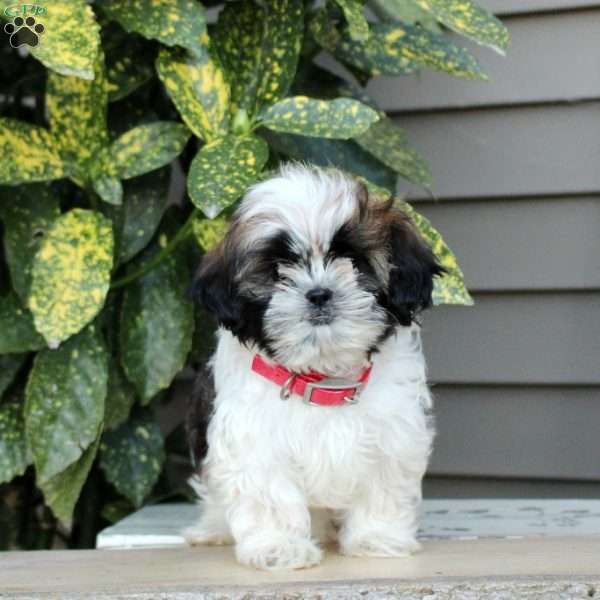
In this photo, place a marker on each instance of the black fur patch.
(411, 277)
(199, 412)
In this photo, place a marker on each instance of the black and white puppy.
(320, 419)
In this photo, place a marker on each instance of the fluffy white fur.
(281, 477)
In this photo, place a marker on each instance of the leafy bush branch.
(120, 102)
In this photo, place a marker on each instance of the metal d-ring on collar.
(285, 392)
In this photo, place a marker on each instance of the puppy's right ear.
(214, 286)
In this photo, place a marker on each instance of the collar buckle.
(333, 384)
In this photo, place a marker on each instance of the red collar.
(314, 388)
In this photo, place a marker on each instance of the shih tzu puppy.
(319, 425)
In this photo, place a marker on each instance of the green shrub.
(96, 123)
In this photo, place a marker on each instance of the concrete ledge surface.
(446, 569)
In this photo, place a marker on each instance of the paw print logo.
(24, 32)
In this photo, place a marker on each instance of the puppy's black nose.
(319, 296)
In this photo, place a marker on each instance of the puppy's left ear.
(412, 269)
(215, 288)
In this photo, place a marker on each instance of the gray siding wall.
(517, 168)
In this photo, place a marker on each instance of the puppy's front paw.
(272, 552)
(380, 545)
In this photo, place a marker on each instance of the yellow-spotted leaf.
(396, 48)
(71, 274)
(324, 30)
(77, 113)
(132, 456)
(14, 457)
(28, 153)
(470, 20)
(341, 118)
(209, 232)
(27, 212)
(64, 407)
(157, 325)
(129, 62)
(108, 188)
(120, 396)
(358, 26)
(17, 333)
(259, 46)
(388, 143)
(172, 22)
(450, 288)
(146, 148)
(222, 171)
(70, 36)
(62, 491)
(406, 11)
(135, 222)
(198, 89)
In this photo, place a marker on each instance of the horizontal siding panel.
(517, 432)
(508, 152)
(484, 487)
(520, 338)
(515, 245)
(503, 7)
(535, 69)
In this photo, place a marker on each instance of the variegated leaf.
(62, 491)
(374, 56)
(198, 89)
(70, 38)
(388, 143)
(64, 406)
(110, 189)
(172, 22)
(341, 118)
(135, 222)
(324, 30)
(470, 20)
(259, 46)
(209, 232)
(146, 148)
(358, 26)
(395, 48)
(156, 326)
(222, 171)
(17, 333)
(28, 153)
(14, 457)
(132, 456)
(71, 274)
(407, 12)
(27, 213)
(77, 113)
(120, 396)
(129, 63)
(450, 288)
(343, 154)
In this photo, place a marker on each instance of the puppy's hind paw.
(278, 552)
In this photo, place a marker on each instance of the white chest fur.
(329, 455)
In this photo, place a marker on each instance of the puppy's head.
(314, 272)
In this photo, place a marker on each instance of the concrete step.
(161, 525)
(500, 569)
